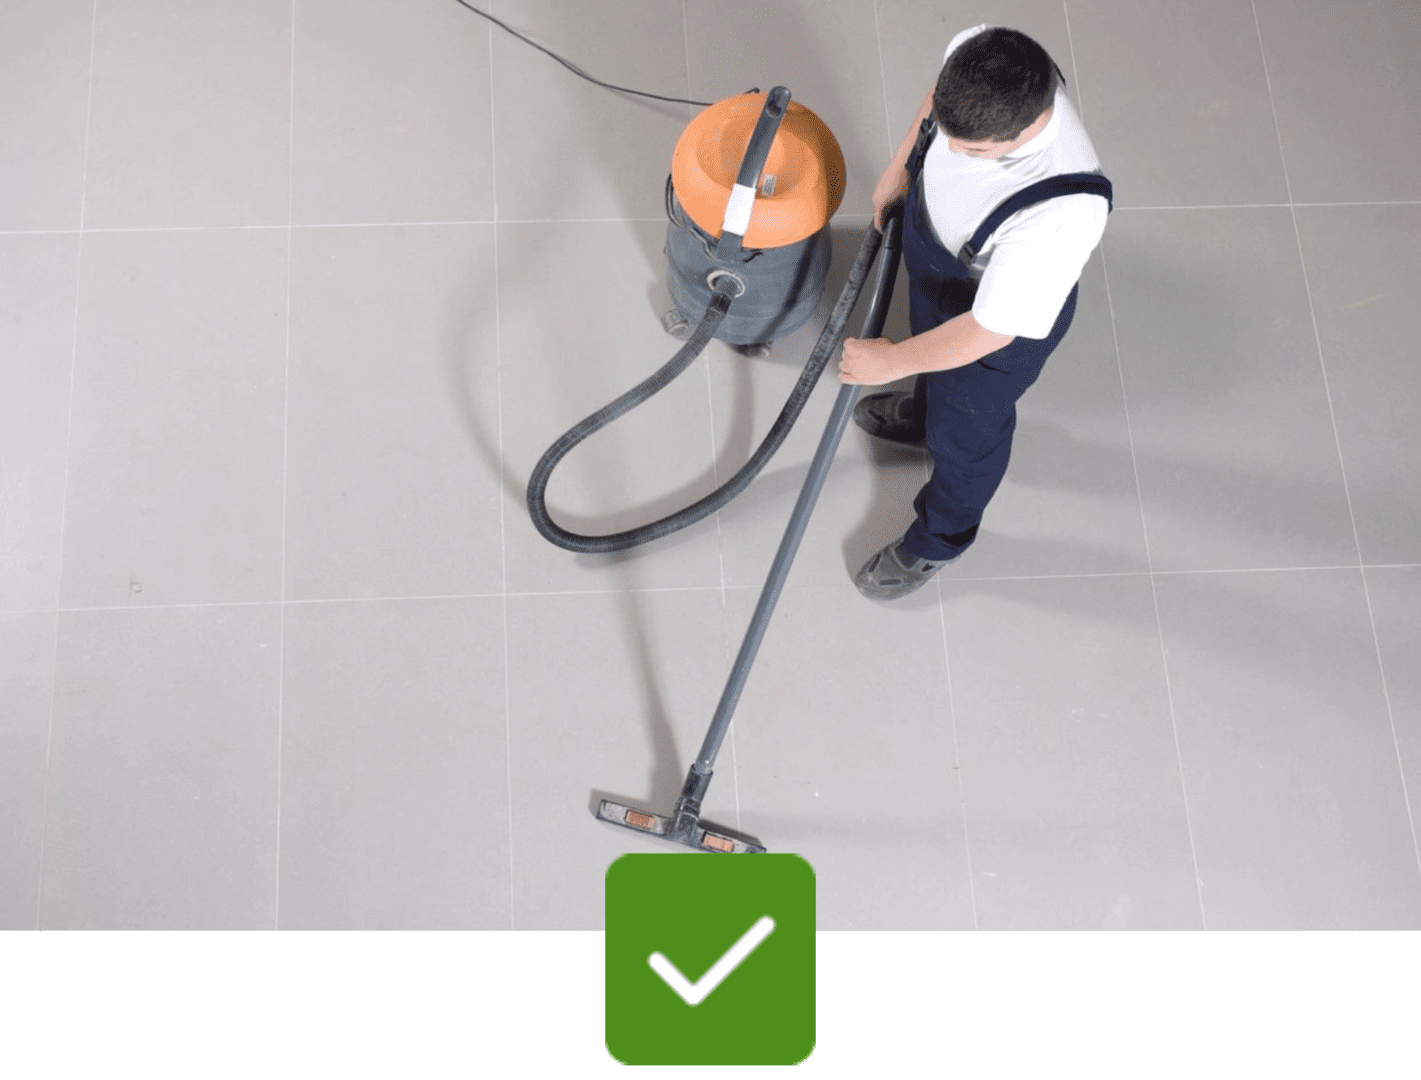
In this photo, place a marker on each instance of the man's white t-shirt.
(1029, 265)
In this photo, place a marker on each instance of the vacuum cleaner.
(754, 181)
(788, 183)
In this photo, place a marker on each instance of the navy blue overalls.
(970, 411)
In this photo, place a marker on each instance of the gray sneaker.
(893, 573)
(889, 415)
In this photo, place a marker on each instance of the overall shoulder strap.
(1053, 186)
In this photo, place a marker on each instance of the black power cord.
(572, 67)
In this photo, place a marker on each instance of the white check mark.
(695, 993)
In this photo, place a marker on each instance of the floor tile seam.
(1154, 594)
(757, 584)
(720, 588)
(889, 145)
(648, 591)
(1341, 458)
(74, 609)
(956, 764)
(1391, 720)
(502, 492)
(318, 600)
(727, 587)
(1307, 283)
(1144, 528)
(1178, 573)
(297, 226)
(1366, 586)
(64, 494)
(285, 470)
(1178, 751)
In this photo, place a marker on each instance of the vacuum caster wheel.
(675, 324)
(758, 351)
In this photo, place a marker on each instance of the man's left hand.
(868, 363)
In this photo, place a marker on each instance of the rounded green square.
(738, 930)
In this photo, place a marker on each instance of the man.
(1000, 216)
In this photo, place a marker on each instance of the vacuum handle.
(747, 181)
(768, 126)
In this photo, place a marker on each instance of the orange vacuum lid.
(805, 163)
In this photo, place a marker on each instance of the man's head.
(995, 93)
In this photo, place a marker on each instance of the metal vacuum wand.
(684, 826)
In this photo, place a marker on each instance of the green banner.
(891, 1005)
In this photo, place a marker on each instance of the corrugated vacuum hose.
(829, 340)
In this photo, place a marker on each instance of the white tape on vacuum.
(737, 210)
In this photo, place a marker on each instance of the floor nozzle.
(684, 828)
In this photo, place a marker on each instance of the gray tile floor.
(295, 292)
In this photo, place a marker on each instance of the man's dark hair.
(994, 86)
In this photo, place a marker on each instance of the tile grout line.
(502, 485)
(728, 653)
(285, 465)
(926, 471)
(1337, 442)
(68, 458)
(883, 82)
(1154, 576)
(601, 221)
(1145, 532)
(695, 588)
(957, 757)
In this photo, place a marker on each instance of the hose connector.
(724, 281)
